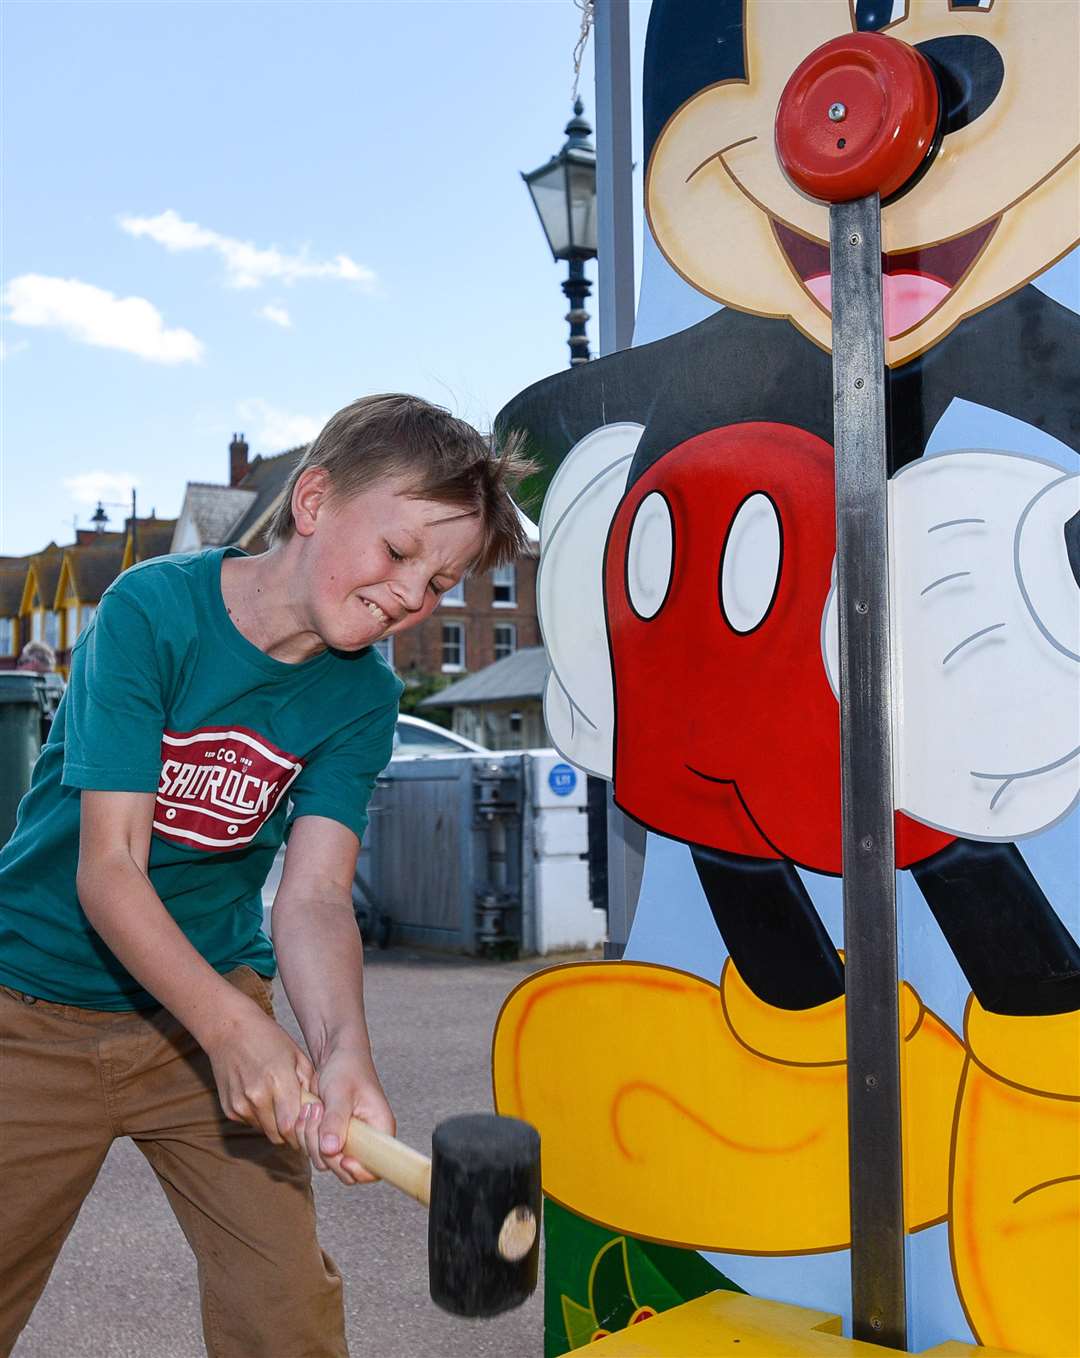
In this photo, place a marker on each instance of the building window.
(505, 640)
(52, 629)
(515, 725)
(504, 587)
(7, 636)
(72, 625)
(455, 595)
(385, 647)
(453, 646)
(35, 625)
(88, 611)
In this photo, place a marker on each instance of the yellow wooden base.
(739, 1326)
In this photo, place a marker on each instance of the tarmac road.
(124, 1286)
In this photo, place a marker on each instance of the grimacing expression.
(998, 205)
(378, 562)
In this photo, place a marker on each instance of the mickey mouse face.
(999, 203)
(716, 575)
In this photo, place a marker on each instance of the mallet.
(482, 1190)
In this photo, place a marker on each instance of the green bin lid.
(20, 686)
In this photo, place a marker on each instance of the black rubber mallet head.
(482, 1189)
(484, 1222)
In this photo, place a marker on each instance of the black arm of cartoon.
(1022, 357)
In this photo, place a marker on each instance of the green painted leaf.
(610, 1291)
(579, 1321)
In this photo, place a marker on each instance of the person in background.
(39, 658)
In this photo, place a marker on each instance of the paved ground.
(125, 1284)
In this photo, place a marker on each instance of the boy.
(209, 692)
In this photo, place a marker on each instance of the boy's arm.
(321, 959)
(258, 1068)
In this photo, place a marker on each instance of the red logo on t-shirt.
(219, 786)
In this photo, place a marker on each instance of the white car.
(413, 736)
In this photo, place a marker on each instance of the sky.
(226, 217)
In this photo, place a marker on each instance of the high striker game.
(810, 587)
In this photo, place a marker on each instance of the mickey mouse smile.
(914, 282)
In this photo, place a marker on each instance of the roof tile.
(521, 675)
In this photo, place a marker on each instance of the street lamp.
(564, 195)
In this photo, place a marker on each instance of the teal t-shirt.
(167, 696)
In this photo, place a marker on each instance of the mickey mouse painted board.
(694, 1094)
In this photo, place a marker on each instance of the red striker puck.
(858, 116)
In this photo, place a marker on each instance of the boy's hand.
(260, 1071)
(348, 1088)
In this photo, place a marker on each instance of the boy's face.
(378, 562)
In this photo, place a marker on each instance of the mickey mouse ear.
(578, 509)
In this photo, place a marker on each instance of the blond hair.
(442, 458)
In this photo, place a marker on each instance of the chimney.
(238, 460)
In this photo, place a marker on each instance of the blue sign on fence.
(562, 780)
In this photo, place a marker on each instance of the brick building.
(486, 618)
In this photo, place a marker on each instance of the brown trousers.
(73, 1079)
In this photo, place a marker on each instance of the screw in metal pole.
(837, 112)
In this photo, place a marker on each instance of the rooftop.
(216, 509)
(46, 566)
(266, 477)
(153, 537)
(94, 568)
(12, 581)
(521, 675)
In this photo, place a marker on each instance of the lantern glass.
(581, 191)
(548, 189)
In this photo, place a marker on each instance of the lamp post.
(564, 195)
(99, 519)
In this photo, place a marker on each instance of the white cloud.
(276, 430)
(277, 314)
(94, 316)
(10, 350)
(246, 265)
(89, 487)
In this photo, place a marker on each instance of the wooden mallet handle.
(387, 1157)
(482, 1192)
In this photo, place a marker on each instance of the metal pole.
(614, 175)
(862, 564)
(615, 271)
(577, 288)
(625, 866)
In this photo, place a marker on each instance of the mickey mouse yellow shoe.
(694, 1114)
(1015, 1214)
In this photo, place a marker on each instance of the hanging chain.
(588, 14)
